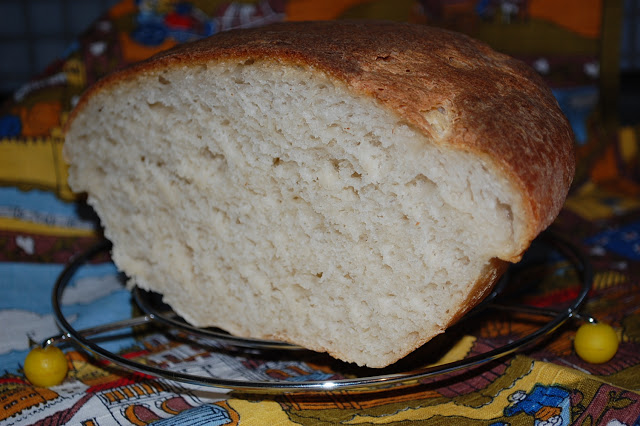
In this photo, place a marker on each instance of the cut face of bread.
(273, 200)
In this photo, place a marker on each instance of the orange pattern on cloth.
(39, 119)
(581, 16)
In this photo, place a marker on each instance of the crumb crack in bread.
(350, 187)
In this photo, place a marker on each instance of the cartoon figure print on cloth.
(548, 405)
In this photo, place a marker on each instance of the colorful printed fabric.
(43, 226)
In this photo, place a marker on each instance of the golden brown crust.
(499, 109)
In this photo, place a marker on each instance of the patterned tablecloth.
(43, 225)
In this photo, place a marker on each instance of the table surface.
(43, 226)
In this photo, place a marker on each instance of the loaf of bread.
(352, 187)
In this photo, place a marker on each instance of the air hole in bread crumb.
(319, 274)
(420, 180)
(249, 62)
(215, 157)
(163, 80)
(185, 180)
(356, 175)
(353, 190)
(373, 141)
(506, 211)
(276, 161)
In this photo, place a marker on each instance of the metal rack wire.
(153, 314)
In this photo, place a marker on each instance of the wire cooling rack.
(154, 311)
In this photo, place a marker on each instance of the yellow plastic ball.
(45, 367)
(596, 342)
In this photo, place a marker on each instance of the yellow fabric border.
(16, 225)
(27, 162)
(522, 375)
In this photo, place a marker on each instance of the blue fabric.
(41, 207)
(96, 295)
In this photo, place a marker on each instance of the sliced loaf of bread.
(353, 187)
